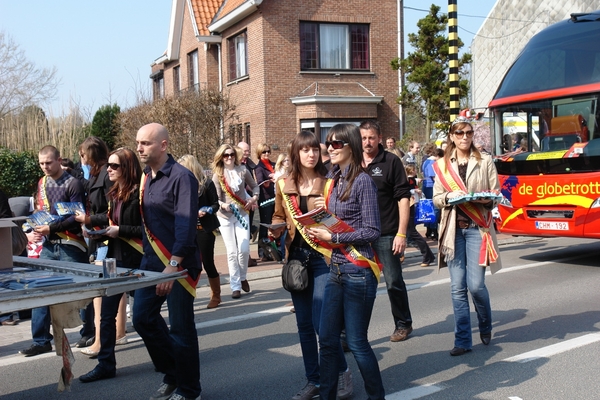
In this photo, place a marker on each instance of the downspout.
(221, 124)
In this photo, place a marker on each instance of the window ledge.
(238, 80)
(337, 73)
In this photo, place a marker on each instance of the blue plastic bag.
(424, 212)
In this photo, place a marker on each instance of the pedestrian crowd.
(160, 216)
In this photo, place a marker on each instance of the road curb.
(274, 270)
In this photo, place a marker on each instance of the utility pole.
(453, 58)
(400, 16)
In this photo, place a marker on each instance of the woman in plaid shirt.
(352, 284)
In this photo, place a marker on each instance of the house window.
(334, 46)
(158, 84)
(193, 70)
(247, 133)
(238, 56)
(176, 82)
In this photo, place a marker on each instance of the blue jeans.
(467, 275)
(348, 302)
(173, 351)
(396, 289)
(40, 317)
(308, 305)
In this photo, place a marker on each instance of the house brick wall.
(274, 76)
(274, 46)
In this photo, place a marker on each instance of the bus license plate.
(554, 226)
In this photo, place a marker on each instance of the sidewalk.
(273, 269)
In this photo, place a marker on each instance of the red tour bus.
(546, 124)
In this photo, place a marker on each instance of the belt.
(466, 224)
(344, 268)
(199, 227)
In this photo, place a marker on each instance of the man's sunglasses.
(460, 134)
(228, 155)
(113, 166)
(336, 144)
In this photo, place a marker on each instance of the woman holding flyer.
(230, 179)
(467, 242)
(354, 273)
(297, 192)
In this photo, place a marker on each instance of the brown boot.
(215, 295)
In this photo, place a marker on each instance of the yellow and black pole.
(453, 58)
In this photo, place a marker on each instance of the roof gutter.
(235, 16)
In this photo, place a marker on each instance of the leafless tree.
(198, 122)
(22, 83)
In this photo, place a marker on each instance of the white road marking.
(415, 392)
(557, 348)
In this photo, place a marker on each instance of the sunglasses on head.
(267, 151)
(336, 144)
(228, 155)
(460, 134)
(113, 166)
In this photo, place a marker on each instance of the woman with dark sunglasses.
(231, 179)
(124, 234)
(301, 189)
(354, 272)
(467, 241)
(265, 177)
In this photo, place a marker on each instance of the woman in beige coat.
(467, 243)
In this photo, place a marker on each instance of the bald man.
(169, 212)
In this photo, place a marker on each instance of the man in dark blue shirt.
(393, 195)
(169, 208)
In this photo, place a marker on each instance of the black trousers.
(206, 245)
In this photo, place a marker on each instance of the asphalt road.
(545, 342)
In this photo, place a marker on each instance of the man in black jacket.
(393, 195)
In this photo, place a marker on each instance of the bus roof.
(561, 60)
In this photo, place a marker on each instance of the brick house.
(286, 64)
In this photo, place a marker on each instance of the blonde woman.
(208, 205)
(231, 179)
(282, 165)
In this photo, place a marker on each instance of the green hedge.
(19, 172)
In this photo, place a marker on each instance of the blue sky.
(103, 49)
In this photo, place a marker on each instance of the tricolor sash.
(451, 181)
(44, 204)
(161, 251)
(349, 251)
(291, 203)
(238, 203)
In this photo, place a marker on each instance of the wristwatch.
(174, 263)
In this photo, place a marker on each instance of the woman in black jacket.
(94, 152)
(208, 204)
(124, 234)
(265, 178)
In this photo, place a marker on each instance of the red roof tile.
(229, 6)
(204, 12)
